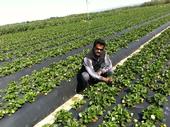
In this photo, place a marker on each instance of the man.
(97, 65)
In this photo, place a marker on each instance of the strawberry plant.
(145, 124)
(108, 124)
(119, 116)
(64, 118)
(158, 99)
(91, 114)
(131, 100)
(139, 88)
(136, 95)
(101, 94)
(153, 113)
(78, 104)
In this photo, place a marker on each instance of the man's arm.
(89, 67)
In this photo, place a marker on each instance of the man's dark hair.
(99, 41)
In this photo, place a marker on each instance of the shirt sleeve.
(89, 68)
(108, 65)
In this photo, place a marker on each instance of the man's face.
(98, 50)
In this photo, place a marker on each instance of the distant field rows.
(56, 35)
(20, 63)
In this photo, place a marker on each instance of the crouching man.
(97, 65)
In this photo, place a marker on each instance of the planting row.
(18, 64)
(101, 106)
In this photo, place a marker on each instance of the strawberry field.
(37, 58)
(138, 96)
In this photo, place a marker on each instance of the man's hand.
(99, 72)
(107, 80)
